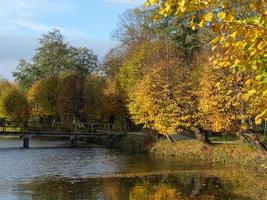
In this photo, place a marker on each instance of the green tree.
(53, 57)
(112, 62)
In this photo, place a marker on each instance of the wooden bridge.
(73, 131)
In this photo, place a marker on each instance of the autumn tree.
(47, 97)
(69, 100)
(36, 111)
(93, 99)
(239, 28)
(114, 106)
(218, 94)
(163, 103)
(13, 104)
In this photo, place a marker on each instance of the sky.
(85, 23)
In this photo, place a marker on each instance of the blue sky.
(88, 23)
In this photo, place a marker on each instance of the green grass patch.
(223, 138)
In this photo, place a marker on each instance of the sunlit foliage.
(240, 33)
(47, 96)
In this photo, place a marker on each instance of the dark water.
(97, 173)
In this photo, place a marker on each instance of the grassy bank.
(234, 154)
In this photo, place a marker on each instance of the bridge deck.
(71, 130)
(59, 134)
(62, 129)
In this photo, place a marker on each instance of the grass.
(223, 138)
(234, 154)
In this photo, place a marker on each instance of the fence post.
(92, 127)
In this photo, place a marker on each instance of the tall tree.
(55, 56)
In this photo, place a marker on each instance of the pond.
(50, 172)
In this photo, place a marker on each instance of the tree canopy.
(55, 56)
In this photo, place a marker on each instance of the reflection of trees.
(210, 187)
(154, 187)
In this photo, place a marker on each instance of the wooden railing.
(61, 127)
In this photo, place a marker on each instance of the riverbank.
(238, 154)
(227, 152)
(125, 143)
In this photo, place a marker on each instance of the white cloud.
(22, 22)
(20, 15)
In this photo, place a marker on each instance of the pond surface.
(97, 173)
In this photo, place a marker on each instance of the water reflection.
(154, 187)
(101, 174)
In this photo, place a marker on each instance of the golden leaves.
(259, 117)
(221, 15)
(208, 17)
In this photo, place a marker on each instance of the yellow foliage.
(240, 32)
(32, 98)
(218, 99)
(161, 103)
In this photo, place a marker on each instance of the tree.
(158, 85)
(13, 104)
(132, 29)
(69, 100)
(36, 110)
(83, 60)
(93, 107)
(53, 57)
(161, 102)
(219, 97)
(240, 28)
(47, 97)
(112, 62)
(26, 74)
(114, 107)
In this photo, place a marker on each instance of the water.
(97, 173)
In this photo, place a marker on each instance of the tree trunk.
(253, 139)
(169, 138)
(201, 135)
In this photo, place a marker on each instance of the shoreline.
(238, 154)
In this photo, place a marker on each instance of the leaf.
(260, 116)
(221, 15)
(251, 92)
(215, 40)
(259, 77)
(233, 35)
(208, 17)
